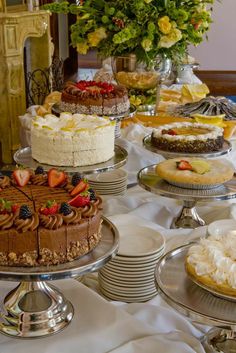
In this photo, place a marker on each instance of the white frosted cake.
(72, 140)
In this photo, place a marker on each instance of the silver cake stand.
(200, 305)
(23, 156)
(188, 216)
(35, 308)
(226, 148)
(114, 117)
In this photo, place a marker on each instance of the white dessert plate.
(138, 241)
(125, 290)
(126, 281)
(221, 227)
(128, 299)
(109, 177)
(131, 265)
(138, 259)
(120, 283)
(130, 270)
(128, 275)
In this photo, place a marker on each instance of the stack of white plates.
(129, 277)
(113, 182)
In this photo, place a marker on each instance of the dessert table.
(103, 326)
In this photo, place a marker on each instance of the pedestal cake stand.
(225, 149)
(24, 157)
(178, 290)
(35, 308)
(188, 217)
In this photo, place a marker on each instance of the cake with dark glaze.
(187, 137)
(91, 97)
(46, 218)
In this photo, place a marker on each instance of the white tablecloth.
(100, 326)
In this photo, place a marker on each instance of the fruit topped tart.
(47, 217)
(195, 173)
(188, 137)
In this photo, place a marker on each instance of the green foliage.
(144, 27)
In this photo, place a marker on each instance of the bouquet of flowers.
(146, 28)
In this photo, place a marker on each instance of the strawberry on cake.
(47, 218)
(91, 97)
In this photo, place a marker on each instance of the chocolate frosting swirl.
(89, 210)
(74, 217)
(23, 225)
(69, 187)
(4, 182)
(39, 179)
(6, 220)
(53, 221)
(97, 202)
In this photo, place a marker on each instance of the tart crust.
(223, 288)
(220, 172)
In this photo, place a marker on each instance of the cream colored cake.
(212, 262)
(72, 140)
(195, 172)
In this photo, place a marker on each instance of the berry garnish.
(5, 206)
(14, 208)
(76, 178)
(49, 208)
(184, 165)
(21, 176)
(80, 187)
(55, 177)
(80, 200)
(92, 194)
(25, 212)
(65, 209)
(169, 132)
(39, 170)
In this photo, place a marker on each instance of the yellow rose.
(82, 48)
(164, 24)
(147, 1)
(170, 39)
(146, 44)
(95, 37)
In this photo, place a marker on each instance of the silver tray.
(226, 148)
(175, 286)
(129, 113)
(103, 252)
(23, 157)
(149, 180)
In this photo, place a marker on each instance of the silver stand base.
(35, 309)
(188, 217)
(221, 341)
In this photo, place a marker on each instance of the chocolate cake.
(91, 97)
(47, 218)
(187, 137)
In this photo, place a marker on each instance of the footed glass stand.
(200, 305)
(188, 216)
(35, 308)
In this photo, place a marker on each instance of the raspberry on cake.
(91, 97)
(41, 223)
(188, 137)
(72, 140)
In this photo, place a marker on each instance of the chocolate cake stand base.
(35, 308)
(188, 216)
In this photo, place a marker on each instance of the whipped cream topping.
(214, 131)
(215, 257)
(69, 123)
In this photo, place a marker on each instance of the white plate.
(221, 227)
(123, 283)
(128, 299)
(138, 260)
(127, 281)
(128, 276)
(110, 176)
(131, 265)
(138, 241)
(130, 268)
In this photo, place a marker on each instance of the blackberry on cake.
(91, 97)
